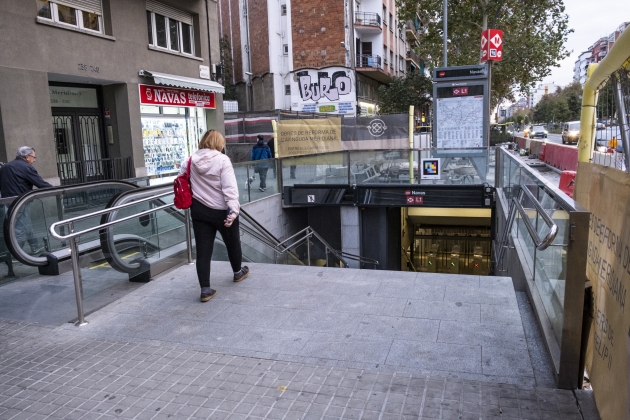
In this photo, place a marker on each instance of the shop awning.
(183, 82)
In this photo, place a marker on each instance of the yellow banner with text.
(309, 137)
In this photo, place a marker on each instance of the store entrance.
(81, 155)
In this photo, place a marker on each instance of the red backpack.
(183, 190)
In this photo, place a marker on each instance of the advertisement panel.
(330, 91)
(605, 192)
(159, 95)
(309, 137)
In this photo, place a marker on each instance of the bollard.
(188, 237)
(76, 271)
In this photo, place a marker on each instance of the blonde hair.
(212, 139)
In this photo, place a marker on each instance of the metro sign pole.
(491, 50)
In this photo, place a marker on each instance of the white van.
(571, 132)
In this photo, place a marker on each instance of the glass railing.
(550, 269)
(462, 166)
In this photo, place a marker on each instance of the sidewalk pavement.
(287, 343)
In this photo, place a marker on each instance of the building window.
(77, 17)
(169, 33)
(285, 49)
(287, 89)
(283, 9)
(391, 22)
(384, 14)
(391, 59)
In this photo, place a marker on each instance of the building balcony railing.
(367, 19)
(412, 56)
(365, 60)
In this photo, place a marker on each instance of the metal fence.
(605, 117)
(612, 128)
(80, 171)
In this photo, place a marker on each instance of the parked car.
(537, 131)
(571, 132)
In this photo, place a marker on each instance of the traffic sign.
(492, 45)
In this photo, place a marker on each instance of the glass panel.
(149, 109)
(173, 110)
(174, 33)
(165, 144)
(256, 180)
(43, 9)
(67, 162)
(160, 30)
(149, 28)
(186, 38)
(94, 165)
(91, 21)
(331, 168)
(67, 14)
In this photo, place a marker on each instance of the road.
(551, 138)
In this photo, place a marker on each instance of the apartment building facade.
(107, 89)
(314, 56)
(596, 53)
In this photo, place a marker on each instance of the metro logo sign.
(460, 91)
(492, 45)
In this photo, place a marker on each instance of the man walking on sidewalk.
(261, 151)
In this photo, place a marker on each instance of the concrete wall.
(26, 118)
(351, 233)
(34, 53)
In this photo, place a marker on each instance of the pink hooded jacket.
(213, 180)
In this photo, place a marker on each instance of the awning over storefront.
(183, 82)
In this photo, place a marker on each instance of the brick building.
(596, 53)
(315, 56)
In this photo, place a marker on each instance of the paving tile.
(482, 334)
(347, 347)
(440, 310)
(428, 355)
(370, 305)
(397, 327)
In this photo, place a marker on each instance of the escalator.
(162, 242)
(26, 242)
(141, 247)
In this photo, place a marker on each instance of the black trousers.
(206, 223)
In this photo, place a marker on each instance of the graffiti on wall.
(329, 91)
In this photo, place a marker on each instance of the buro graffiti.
(331, 88)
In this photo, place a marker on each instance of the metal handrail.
(408, 259)
(74, 250)
(541, 244)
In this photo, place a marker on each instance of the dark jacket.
(272, 146)
(261, 151)
(18, 176)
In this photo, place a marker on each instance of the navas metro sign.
(491, 45)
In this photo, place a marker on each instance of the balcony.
(413, 57)
(412, 30)
(371, 65)
(367, 22)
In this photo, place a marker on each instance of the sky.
(590, 21)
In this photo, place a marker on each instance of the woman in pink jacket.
(215, 207)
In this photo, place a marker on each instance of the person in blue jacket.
(261, 151)
(17, 177)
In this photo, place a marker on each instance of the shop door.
(79, 146)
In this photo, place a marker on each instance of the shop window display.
(169, 139)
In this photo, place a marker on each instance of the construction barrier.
(557, 155)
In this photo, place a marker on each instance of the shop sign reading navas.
(329, 90)
(163, 96)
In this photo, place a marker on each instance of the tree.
(402, 92)
(572, 94)
(225, 50)
(534, 34)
